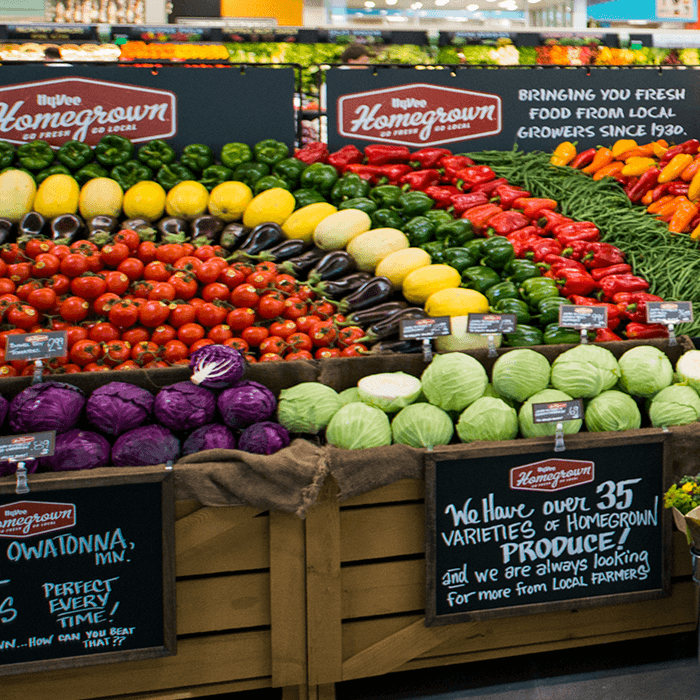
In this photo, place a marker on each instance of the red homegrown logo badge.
(419, 115)
(83, 109)
(552, 475)
(29, 518)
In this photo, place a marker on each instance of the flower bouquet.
(684, 500)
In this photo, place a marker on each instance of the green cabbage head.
(422, 425)
(520, 373)
(307, 407)
(488, 418)
(585, 370)
(645, 371)
(688, 368)
(357, 426)
(452, 381)
(390, 391)
(529, 428)
(612, 411)
(675, 405)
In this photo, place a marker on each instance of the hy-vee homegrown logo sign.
(552, 475)
(419, 115)
(84, 110)
(29, 518)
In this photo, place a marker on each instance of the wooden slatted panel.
(404, 490)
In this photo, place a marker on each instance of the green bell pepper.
(508, 305)
(523, 336)
(303, 197)
(270, 151)
(479, 278)
(386, 196)
(519, 269)
(7, 154)
(412, 204)
(269, 182)
(548, 309)
(74, 154)
(170, 175)
(113, 150)
(320, 177)
(497, 252)
(476, 246)
(459, 258)
(131, 172)
(419, 230)
(439, 216)
(350, 186)
(364, 204)
(214, 175)
(156, 153)
(289, 169)
(502, 290)
(387, 218)
(234, 154)
(534, 289)
(89, 172)
(455, 233)
(555, 334)
(35, 155)
(55, 169)
(250, 173)
(435, 250)
(197, 156)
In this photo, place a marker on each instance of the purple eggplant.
(301, 264)
(335, 289)
(332, 265)
(262, 237)
(233, 235)
(376, 313)
(286, 250)
(403, 346)
(375, 291)
(391, 326)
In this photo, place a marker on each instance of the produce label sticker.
(583, 317)
(425, 328)
(557, 411)
(20, 448)
(36, 346)
(489, 324)
(669, 311)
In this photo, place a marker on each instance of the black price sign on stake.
(490, 324)
(425, 328)
(21, 448)
(558, 411)
(583, 317)
(36, 346)
(669, 312)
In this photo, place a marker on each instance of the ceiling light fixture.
(390, 2)
(396, 18)
(441, 2)
(472, 8)
(369, 4)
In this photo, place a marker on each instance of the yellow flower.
(687, 487)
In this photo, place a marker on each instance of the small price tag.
(490, 324)
(20, 448)
(667, 312)
(557, 411)
(36, 346)
(425, 328)
(583, 317)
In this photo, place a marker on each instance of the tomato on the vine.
(283, 328)
(180, 314)
(8, 370)
(124, 314)
(285, 283)
(141, 289)
(23, 316)
(215, 290)
(190, 333)
(304, 292)
(74, 334)
(209, 272)
(153, 313)
(300, 341)
(354, 350)
(204, 252)
(349, 335)
(271, 357)
(156, 271)
(245, 295)
(117, 282)
(104, 302)
(271, 305)
(324, 334)
(220, 333)
(74, 309)
(103, 332)
(163, 334)
(294, 308)
(162, 291)
(36, 246)
(137, 334)
(298, 355)
(43, 299)
(145, 352)
(61, 250)
(273, 343)
(200, 344)
(12, 253)
(175, 350)
(116, 352)
(133, 268)
(114, 254)
(237, 343)
(7, 286)
(96, 367)
(210, 314)
(260, 279)
(170, 253)
(305, 324)
(88, 286)
(231, 277)
(241, 318)
(324, 309)
(254, 335)
(185, 284)
(84, 352)
(128, 236)
(26, 288)
(146, 252)
(325, 353)
(19, 272)
(128, 364)
(188, 263)
(45, 265)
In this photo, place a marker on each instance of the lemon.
(144, 200)
(187, 199)
(17, 192)
(57, 194)
(456, 302)
(274, 205)
(302, 223)
(229, 200)
(100, 196)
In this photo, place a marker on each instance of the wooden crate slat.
(682, 564)
(404, 490)
(199, 661)
(287, 599)
(223, 603)
(198, 691)
(185, 508)
(383, 531)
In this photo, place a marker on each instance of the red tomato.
(60, 251)
(146, 252)
(266, 266)
(26, 288)
(349, 335)
(324, 334)
(294, 308)
(210, 315)
(305, 324)
(185, 285)
(141, 289)
(103, 332)
(43, 299)
(204, 252)
(299, 355)
(70, 368)
(104, 302)
(128, 236)
(354, 350)
(96, 367)
(162, 291)
(75, 333)
(28, 371)
(7, 286)
(129, 364)
(299, 341)
(190, 333)
(116, 352)
(220, 333)
(45, 265)
(124, 314)
(271, 305)
(36, 246)
(285, 283)
(271, 357)
(237, 343)
(273, 343)
(188, 263)
(133, 268)
(241, 318)
(180, 314)
(305, 293)
(175, 350)
(145, 352)
(156, 271)
(19, 272)
(156, 363)
(84, 352)
(215, 290)
(23, 316)
(136, 335)
(153, 313)
(245, 295)
(254, 335)
(7, 371)
(114, 254)
(324, 309)
(260, 280)
(232, 277)
(196, 302)
(163, 334)
(117, 282)
(200, 344)
(74, 309)
(324, 353)
(209, 272)
(250, 358)
(12, 253)
(88, 287)
(283, 328)
(3, 268)
(169, 253)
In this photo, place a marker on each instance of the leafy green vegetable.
(529, 428)
(307, 407)
(389, 391)
(675, 405)
(612, 411)
(520, 373)
(645, 370)
(357, 426)
(422, 425)
(453, 381)
(488, 418)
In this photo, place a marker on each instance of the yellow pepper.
(622, 146)
(675, 167)
(636, 165)
(563, 154)
(660, 148)
(694, 187)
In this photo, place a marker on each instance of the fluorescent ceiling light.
(369, 3)
(472, 8)
(396, 18)
(390, 2)
(416, 5)
(441, 2)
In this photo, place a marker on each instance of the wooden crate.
(366, 598)
(240, 616)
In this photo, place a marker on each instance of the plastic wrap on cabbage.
(246, 403)
(645, 371)
(307, 407)
(452, 381)
(46, 406)
(675, 405)
(263, 438)
(520, 373)
(212, 436)
(422, 425)
(216, 366)
(488, 418)
(148, 444)
(529, 428)
(612, 411)
(184, 406)
(357, 426)
(76, 450)
(117, 407)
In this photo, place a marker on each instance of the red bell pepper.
(539, 249)
(605, 335)
(504, 195)
(549, 219)
(532, 207)
(642, 331)
(576, 250)
(442, 195)
(474, 174)
(344, 157)
(420, 179)
(647, 181)
(313, 152)
(522, 238)
(600, 254)
(366, 172)
(613, 284)
(479, 216)
(554, 262)
(428, 157)
(488, 187)
(451, 165)
(571, 281)
(597, 273)
(578, 231)
(583, 159)
(466, 200)
(385, 154)
(633, 305)
(690, 147)
(392, 173)
(506, 222)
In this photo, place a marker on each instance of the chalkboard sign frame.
(106, 478)
(579, 442)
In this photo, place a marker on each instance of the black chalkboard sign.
(537, 530)
(36, 346)
(87, 573)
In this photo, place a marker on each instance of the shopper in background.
(355, 54)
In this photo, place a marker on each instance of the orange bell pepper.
(610, 170)
(661, 202)
(563, 154)
(603, 156)
(682, 216)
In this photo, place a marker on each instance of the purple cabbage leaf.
(246, 403)
(143, 446)
(264, 438)
(46, 406)
(117, 407)
(216, 366)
